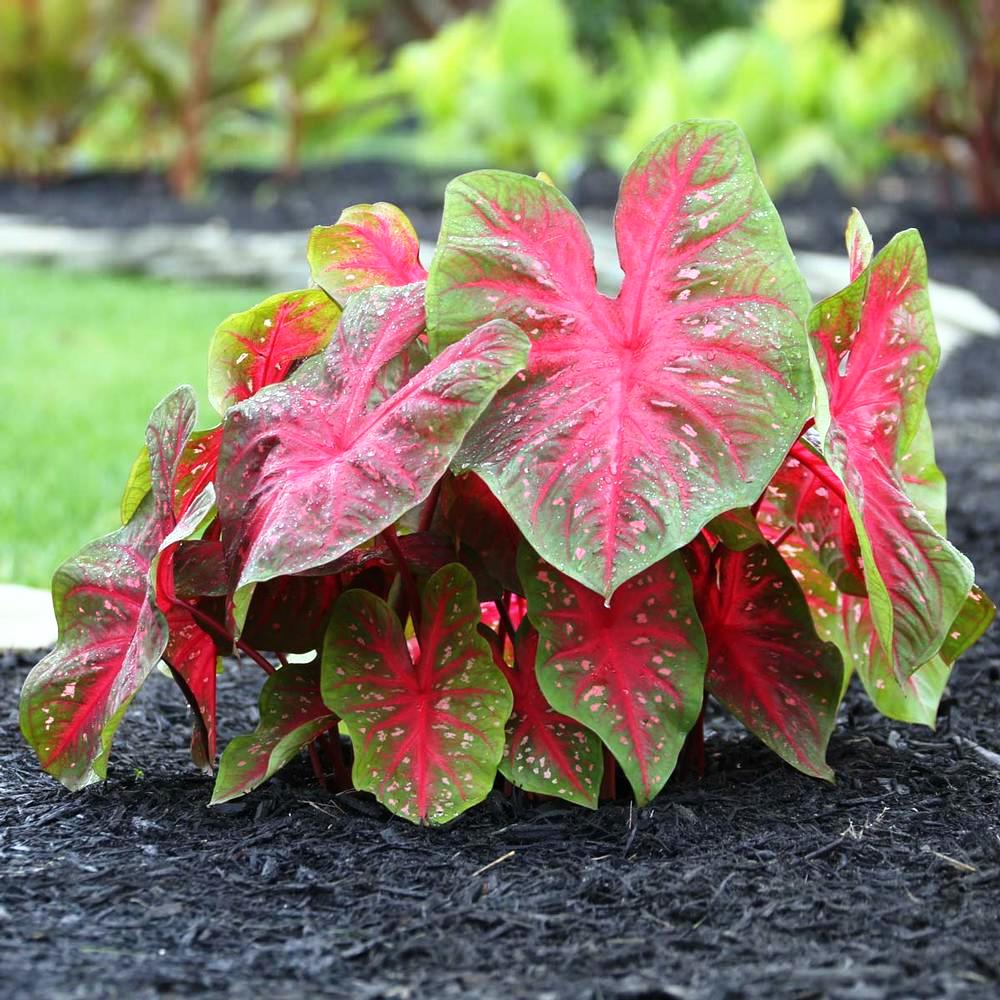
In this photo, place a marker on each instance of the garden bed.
(755, 881)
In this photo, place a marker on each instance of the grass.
(85, 358)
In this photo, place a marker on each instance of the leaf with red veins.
(633, 672)
(766, 664)
(292, 714)
(547, 752)
(369, 245)
(111, 633)
(816, 508)
(261, 346)
(193, 660)
(641, 417)
(196, 470)
(860, 247)
(875, 351)
(317, 465)
(428, 731)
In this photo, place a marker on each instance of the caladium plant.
(484, 526)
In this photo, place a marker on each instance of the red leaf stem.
(818, 468)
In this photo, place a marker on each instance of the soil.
(752, 882)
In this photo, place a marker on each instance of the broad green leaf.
(428, 732)
(641, 417)
(970, 624)
(913, 699)
(631, 670)
(292, 715)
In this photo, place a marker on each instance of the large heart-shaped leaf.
(316, 465)
(111, 632)
(292, 714)
(260, 346)
(428, 734)
(766, 663)
(632, 671)
(644, 416)
(546, 751)
(876, 351)
(369, 245)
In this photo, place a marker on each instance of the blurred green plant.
(183, 77)
(805, 96)
(510, 89)
(46, 92)
(327, 91)
(960, 126)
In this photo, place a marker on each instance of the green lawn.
(85, 358)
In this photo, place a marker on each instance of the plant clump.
(486, 522)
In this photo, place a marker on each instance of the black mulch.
(754, 882)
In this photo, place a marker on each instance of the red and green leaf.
(640, 417)
(262, 345)
(736, 529)
(766, 664)
(292, 715)
(860, 247)
(369, 245)
(111, 632)
(289, 614)
(319, 464)
(546, 752)
(806, 495)
(428, 733)
(476, 518)
(631, 670)
(876, 350)
(194, 473)
(191, 653)
(197, 468)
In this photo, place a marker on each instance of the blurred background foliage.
(846, 86)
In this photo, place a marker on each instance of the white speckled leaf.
(633, 670)
(428, 732)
